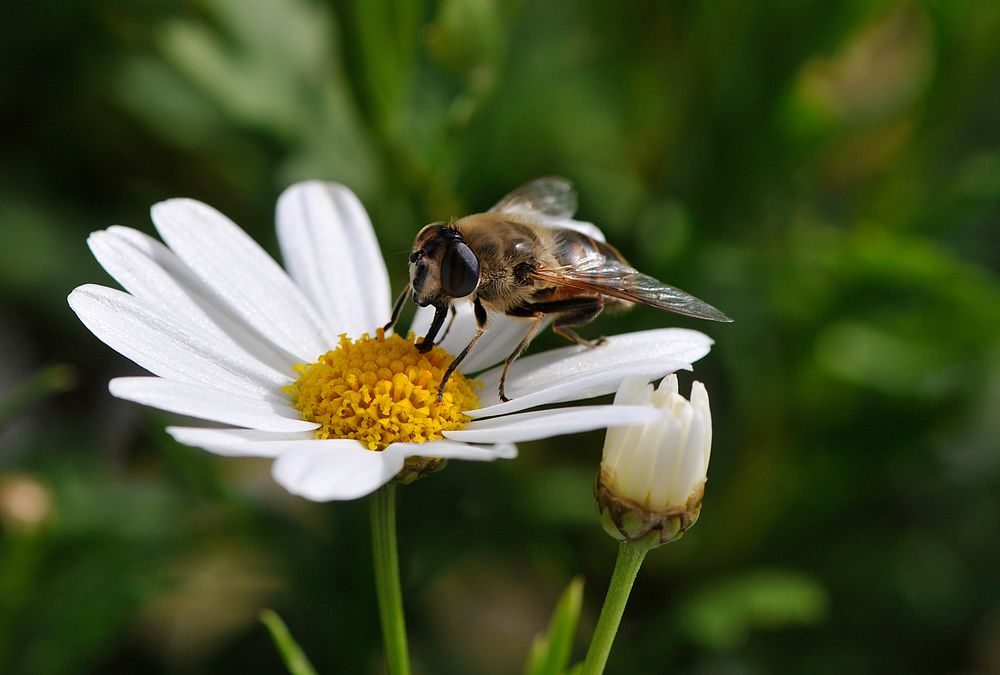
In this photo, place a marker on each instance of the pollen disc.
(381, 390)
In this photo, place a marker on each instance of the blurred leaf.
(86, 605)
(50, 380)
(864, 354)
(102, 557)
(969, 443)
(466, 35)
(722, 616)
(34, 251)
(273, 67)
(213, 595)
(295, 659)
(258, 68)
(562, 495)
(550, 651)
(165, 100)
(893, 312)
(387, 38)
(879, 70)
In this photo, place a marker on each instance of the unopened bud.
(652, 477)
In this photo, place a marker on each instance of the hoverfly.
(528, 259)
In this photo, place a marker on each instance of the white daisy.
(282, 358)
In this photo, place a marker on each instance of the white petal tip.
(506, 451)
(668, 384)
(324, 471)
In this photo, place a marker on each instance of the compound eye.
(459, 270)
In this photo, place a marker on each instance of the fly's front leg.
(451, 322)
(480, 313)
(440, 312)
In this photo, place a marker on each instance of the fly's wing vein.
(601, 275)
(551, 196)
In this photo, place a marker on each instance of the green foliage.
(826, 173)
(724, 616)
(51, 380)
(550, 651)
(295, 659)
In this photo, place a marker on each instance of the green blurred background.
(826, 173)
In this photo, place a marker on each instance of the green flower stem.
(630, 557)
(390, 595)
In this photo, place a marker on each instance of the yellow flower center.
(380, 391)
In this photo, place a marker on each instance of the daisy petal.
(241, 442)
(531, 426)
(244, 277)
(573, 373)
(153, 339)
(149, 270)
(452, 450)
(211, 404)
(502, 335)
(329, 248)
(572, 386)
(334, 469)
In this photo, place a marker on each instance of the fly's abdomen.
(573, 249)
(572, 246)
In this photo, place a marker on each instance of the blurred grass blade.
(295, 659)
(48, 381)
(387, 41)
(550, 651)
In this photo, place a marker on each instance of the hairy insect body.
(528, 259)
(509, 249)
(571, 247)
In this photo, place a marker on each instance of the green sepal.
(626, 520)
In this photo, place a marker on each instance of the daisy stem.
(630, 557)
(387, 587)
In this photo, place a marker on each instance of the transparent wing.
(549, 201)
(550, 196)
(601, 275)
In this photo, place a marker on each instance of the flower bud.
(652, 477)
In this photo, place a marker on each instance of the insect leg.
(451, 322)
(580, 316)
(397, 308)
(521, 346)
(480, 312)
(571, 312)
(440, 312)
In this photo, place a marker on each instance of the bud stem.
(387, 587)
(630, 557)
